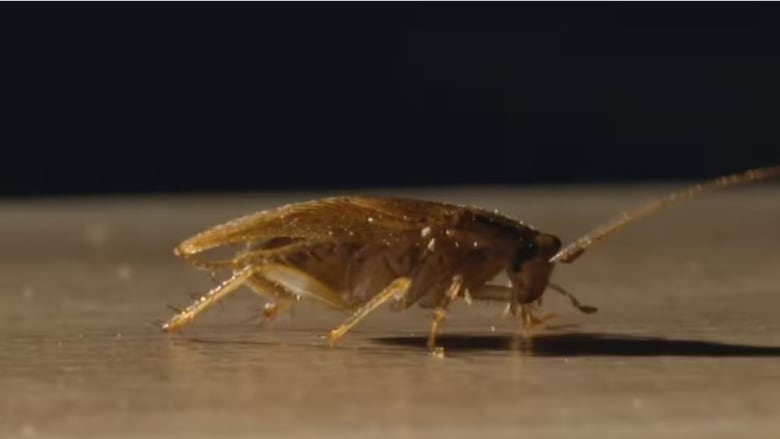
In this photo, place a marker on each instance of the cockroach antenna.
(572, 251)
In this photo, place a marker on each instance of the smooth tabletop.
(686, 343)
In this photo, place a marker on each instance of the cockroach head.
(548, 245)
(530, 267)
(541, 247)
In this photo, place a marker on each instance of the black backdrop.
(107, 98)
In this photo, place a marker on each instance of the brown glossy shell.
(358, 245)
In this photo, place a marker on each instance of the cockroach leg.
(302, 284)
(290, 279)
(185, 316)
(498, 293)
(576, 303)
(396, 289)
(356, 244)
(493, 293)
(440, 313)
(281, 299)
(530, 321)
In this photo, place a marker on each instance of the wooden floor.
(686, 343)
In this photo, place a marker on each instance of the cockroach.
(356, 253)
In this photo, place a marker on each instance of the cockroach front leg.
(530, 321)
(396, 289)
(440, 313)
(498, 293)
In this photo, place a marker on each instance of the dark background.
(107, 98)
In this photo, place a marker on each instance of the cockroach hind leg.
(397, 287)
(195, 297)
(187, 315)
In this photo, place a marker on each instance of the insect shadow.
(588, 344)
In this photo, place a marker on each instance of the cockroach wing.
(328, 219)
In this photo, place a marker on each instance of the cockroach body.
(356, 253)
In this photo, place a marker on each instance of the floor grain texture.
(686, 343)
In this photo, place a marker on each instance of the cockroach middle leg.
(440, 313)
(396, 289)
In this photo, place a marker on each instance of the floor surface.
(686, 343)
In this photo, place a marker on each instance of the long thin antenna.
(577, 248)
